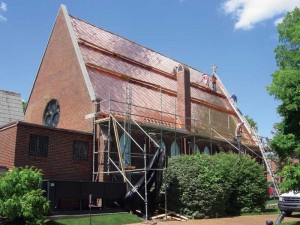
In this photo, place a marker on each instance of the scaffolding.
(113, 116)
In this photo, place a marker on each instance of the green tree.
(21, 199)
(285, 87)
(251, 121)
(24, 105)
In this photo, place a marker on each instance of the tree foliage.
(285, 87)
(21, 198)
(251, 121)
(24, 106)
(203, 186)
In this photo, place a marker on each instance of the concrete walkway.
(239, 220)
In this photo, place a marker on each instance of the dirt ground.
(239, 220)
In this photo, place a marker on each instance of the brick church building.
(97, 96)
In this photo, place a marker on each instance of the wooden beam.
(119, 148)
(102, 120)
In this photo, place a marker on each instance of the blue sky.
(239, 36)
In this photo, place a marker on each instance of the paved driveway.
(239, 220)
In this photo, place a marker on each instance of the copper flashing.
(155, 87)
(200, 87)
(131, 79)
(217, 108)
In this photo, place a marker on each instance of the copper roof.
(113, 62)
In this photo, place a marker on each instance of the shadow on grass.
(104, 219)
(52, 222)
(263, 212)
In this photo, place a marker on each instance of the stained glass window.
(52, 113)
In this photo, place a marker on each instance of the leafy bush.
(21, 198)
(203, 186)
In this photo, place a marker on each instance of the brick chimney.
(183, 96)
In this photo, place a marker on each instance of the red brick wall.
(184, 96)
(8, 146)
(59, 164)
(60, 77)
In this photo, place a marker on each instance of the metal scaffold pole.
(94, 143)
(146, 191)
(109, 135)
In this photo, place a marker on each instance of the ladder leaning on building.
(252, 131)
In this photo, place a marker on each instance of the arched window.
(162, 144)
(194, 148)
(206, 150)
(52, 113)
(175, 150)
(125, 145)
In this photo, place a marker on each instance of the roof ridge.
(177, 61)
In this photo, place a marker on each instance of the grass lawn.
(106, 219)
(291, 223)
(271, 208)
(272, 202)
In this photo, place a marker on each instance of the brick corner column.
(184, 96)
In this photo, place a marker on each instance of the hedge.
(203, 186)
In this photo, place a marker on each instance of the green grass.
(291, 223)
(264, 212)
(271, 208)
(107, 219)
(272, 202)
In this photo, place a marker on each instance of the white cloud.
(3, 6)
(2, 18)
(247, 13)
(278, 21)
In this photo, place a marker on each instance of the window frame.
(38, 145)
(80, 156)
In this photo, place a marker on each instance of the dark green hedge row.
(203, 186)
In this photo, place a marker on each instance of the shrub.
(203, 186)
(21, 198)
(248, 185)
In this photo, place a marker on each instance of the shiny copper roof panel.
(114, 63)
(210, 98)
(122, 46)
(117, 65)
(142, 104)
(207, 121)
